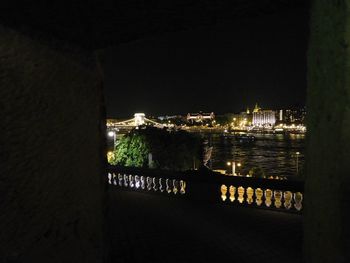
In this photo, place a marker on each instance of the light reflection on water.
(274, 153)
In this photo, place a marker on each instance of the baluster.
(120, 179)
(109, 178)
(137, 181)
(126, 180)
(182, 187)
(240, 194)
(268, 197)
(250, 194)
(223, 190)
(161, 188)
(287, 199)
(131, 181)
(168, 188)
(175, 186)
(232, 191)
(277, 194)
(149, 183)
(258, 194)
(298, 199)
(143, 182)
(114, 179)
(155, 187)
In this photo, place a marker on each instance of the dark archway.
(53, 115)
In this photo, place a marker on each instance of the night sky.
(222, 68)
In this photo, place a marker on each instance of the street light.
(233, 167)
(114, 135)
(297, 155)
(239, 165)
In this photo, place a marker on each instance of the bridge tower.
(139, 119)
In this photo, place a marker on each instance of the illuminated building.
(262, 118)
(294, 115)
(200, 117)
(256, 108)
(280, 115)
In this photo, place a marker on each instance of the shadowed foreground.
(154, 228)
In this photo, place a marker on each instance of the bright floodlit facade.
(263, 118)
(200, 117)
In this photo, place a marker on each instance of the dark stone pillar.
(327, 193)
(51, 152)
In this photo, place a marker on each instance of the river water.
(274, 153)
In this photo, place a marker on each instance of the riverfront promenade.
(154, 228)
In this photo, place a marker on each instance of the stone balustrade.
(259, 197)
(281, 195)
(147, 183)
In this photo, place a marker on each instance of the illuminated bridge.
(138, 120)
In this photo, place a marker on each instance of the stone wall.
(327, 193)
(51, 152)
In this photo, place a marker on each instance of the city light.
(297, 161)
(139, 119)
(113, 134)
(239, 166)
(231, 126)
(233, 167)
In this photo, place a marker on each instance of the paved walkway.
(155, 228)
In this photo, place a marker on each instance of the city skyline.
(183, 113)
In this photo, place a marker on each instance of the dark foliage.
(172, 150)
